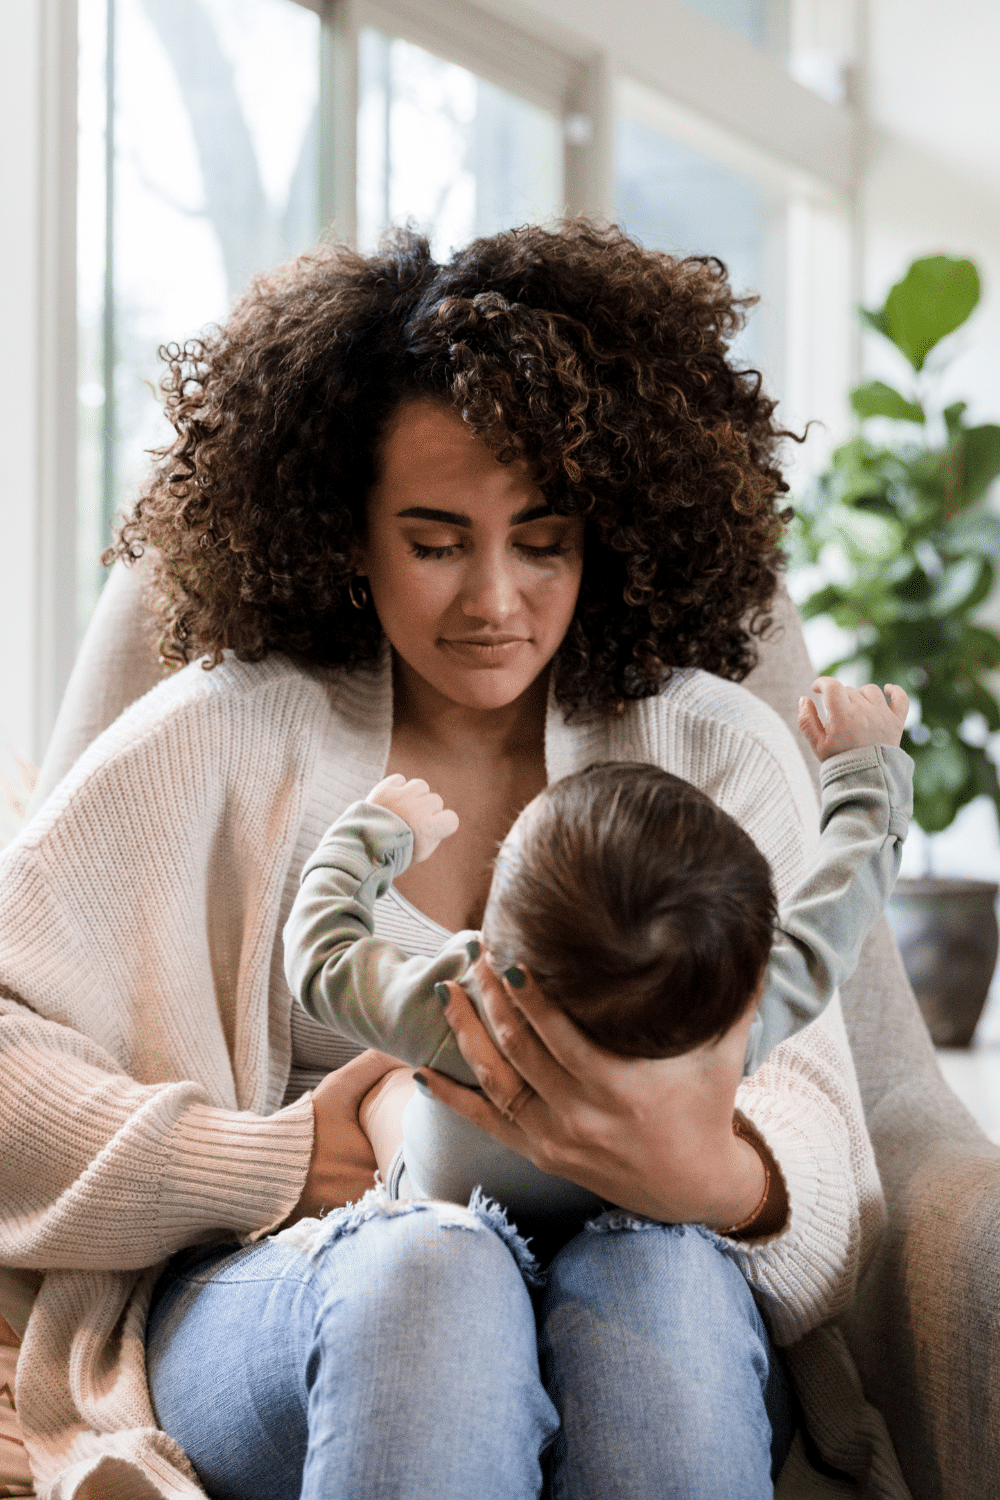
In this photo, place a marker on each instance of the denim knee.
(653, 1271)
(379, 1347)
(466, 1262)
(661, 1367)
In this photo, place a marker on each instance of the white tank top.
(315, 1048)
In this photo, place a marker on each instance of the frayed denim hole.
(620, 1221)
(494, 1216)
(313, 1236)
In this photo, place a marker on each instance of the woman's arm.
(98, 1171)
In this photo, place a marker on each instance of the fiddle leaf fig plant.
(900, 525)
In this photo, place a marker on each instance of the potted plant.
(900, 521)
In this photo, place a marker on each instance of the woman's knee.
(434, 1260)
(669, 1276)
(436, 1345)
(657, 1358)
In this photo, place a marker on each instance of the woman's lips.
(494, 651)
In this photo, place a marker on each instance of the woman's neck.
(486, 764)
(422, 714)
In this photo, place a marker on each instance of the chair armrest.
(116, 664)
(925, 1329)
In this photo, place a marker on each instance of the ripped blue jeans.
(408, 1351)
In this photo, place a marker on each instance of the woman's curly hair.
(602, 364)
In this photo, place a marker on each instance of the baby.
(642, 909)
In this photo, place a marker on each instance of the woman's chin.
(484, 688)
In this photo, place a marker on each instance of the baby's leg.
(380, 1115)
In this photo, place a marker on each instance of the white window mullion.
(338, 150)
(38, 386)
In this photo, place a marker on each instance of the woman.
(466, 522)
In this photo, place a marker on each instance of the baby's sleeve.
(866, 808)
(361, 986)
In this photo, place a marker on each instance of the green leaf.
(972, 532)
(821, 603)
(942, 782)
(982, 701)
(979, 460)
(980, 647)
(876, 399)
(953, 415)
(866, 536)
(934, 298)
(927, 471)
(876, 320)
(961, 587)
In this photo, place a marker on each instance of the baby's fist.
(416, 804)
(854, 717)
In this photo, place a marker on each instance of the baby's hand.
(416, 804)
(855, 717)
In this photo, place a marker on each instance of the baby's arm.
(867, 792)
(344, 976)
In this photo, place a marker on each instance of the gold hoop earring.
(357, 592)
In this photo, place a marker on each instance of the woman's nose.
(490, 589)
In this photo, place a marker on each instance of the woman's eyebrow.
(455, 518)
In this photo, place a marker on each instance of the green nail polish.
(441, 991)
(515, 978)
(473, 949)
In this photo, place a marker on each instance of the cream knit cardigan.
(145, 1020)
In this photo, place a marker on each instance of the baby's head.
(641, 908)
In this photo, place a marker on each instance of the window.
(198, 149)
(674, 197)
(748, 18)
(448, 150)
(689, 186)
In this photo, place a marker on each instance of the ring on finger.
(517, 1101)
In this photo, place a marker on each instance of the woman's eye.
(554, 549)
(420, 551)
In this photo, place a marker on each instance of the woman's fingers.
(532, 1033)
(561, 1040)
(494, 1074)
(474, 1107)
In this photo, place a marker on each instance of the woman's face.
(474, 580)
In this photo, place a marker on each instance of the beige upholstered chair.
(925, 1332)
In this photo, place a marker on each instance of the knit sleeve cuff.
(807, 1272)
(236, 1172)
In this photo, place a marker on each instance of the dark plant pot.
(947, 934)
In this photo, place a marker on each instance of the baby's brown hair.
(641, 908)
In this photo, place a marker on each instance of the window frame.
(569, 83)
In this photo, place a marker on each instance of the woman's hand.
(653, 1136)
(342, 1167)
